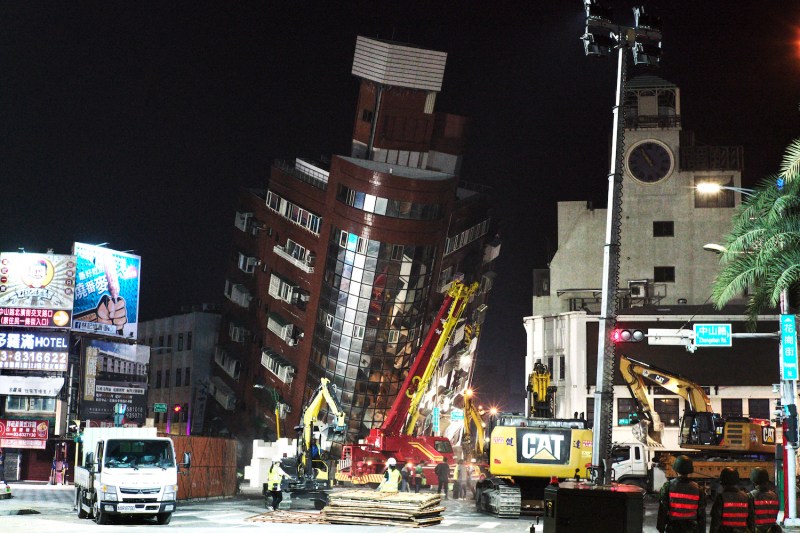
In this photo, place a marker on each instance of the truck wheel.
(100, 517)
(319, 505)
(81, 513)
(163, 518)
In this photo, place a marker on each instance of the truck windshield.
(139, 454)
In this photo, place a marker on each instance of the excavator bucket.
(643, 433)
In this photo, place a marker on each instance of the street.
(45, 508)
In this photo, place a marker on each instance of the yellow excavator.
(472, 416)
(541, 395)
(313, 480)
(701, 428)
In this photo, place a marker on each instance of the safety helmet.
(728, 476)
(391, 461)
(683, 465)
(759, 476)
(276, 459)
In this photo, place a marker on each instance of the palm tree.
(763, 248)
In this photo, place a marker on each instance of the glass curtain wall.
(370, 321)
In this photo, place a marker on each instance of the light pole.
(644, 41)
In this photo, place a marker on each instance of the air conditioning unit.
(305, 297)
(638, 289)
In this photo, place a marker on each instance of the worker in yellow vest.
(391, 478)
(274, 479)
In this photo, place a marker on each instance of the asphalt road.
(47, 509)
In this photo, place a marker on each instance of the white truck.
(127, 472)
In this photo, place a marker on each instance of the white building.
(665, 275)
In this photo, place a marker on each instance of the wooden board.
(290, 517)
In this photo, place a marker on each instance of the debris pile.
(289, 517)
(367, 507)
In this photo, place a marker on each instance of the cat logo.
(768, 435)
(544, 446)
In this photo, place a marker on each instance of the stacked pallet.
(367, 507)
(289, 517)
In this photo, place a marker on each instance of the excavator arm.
(472, 416)
(323, 395)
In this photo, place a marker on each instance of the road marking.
(488, 525)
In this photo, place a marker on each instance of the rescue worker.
(765, 503)
(462, 473)
(442, 472)
(732, 511)
(391, 478)
(274, 479)
(681, 502)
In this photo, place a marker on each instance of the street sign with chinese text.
(435, 420)
(159, 408)
(457, 415)
(712, 335)
(788, 348)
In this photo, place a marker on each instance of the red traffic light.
(627, 335)
(177, 408)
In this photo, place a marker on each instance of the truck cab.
(127, 471)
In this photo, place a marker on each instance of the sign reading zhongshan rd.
(788, 347)
(159, 408)
(712, 335)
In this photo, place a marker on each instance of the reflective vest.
(734, 509)
(766, 504)
(276, 474)
(684, 501)
(392, 481)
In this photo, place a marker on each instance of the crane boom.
(402, 416)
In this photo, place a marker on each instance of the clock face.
(649, 162)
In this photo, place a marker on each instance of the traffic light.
(176, 408)
(627, 335)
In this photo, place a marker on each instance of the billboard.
(23, 433)
(30, 349)
(106, 291)
(114, 373)
(36, 290)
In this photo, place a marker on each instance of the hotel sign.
(34, 350)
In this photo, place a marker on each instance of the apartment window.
(664, 274)
(169, 341)
(667, 409)
(626, 408)
(166, 378)
(186, 375)
(394, 336)
(562, 367)
(550, 366)
(663, 228)
(180, 342)
(731, 407)
(358, 332)
(189, 340)
(158, 379)
(366, 115)
(758, 408)
(329, 321)
(397, 252)
(178, 376)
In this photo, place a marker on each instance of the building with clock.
(665, 274)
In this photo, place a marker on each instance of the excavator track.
(500, 499)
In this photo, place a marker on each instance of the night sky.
(135, 123)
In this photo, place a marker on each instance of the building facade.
(181, 350)
(338, 265)
(665, 274)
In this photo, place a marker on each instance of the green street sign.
(159, 408)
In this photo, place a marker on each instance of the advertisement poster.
(31, 434)
(114, 374)
(106, 291)
(30, 349)
(36, 290)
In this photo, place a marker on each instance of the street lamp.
(644, 41)
(710, 187)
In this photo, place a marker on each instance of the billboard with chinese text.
(36, 290)
(23, 433)
(30, 349)
(106, 291)
(114, 373)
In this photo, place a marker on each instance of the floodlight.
(597, 45)
(645, 21)
(595, 11)
(646, 53)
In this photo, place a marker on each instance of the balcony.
(302, 264)
(316, 180)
